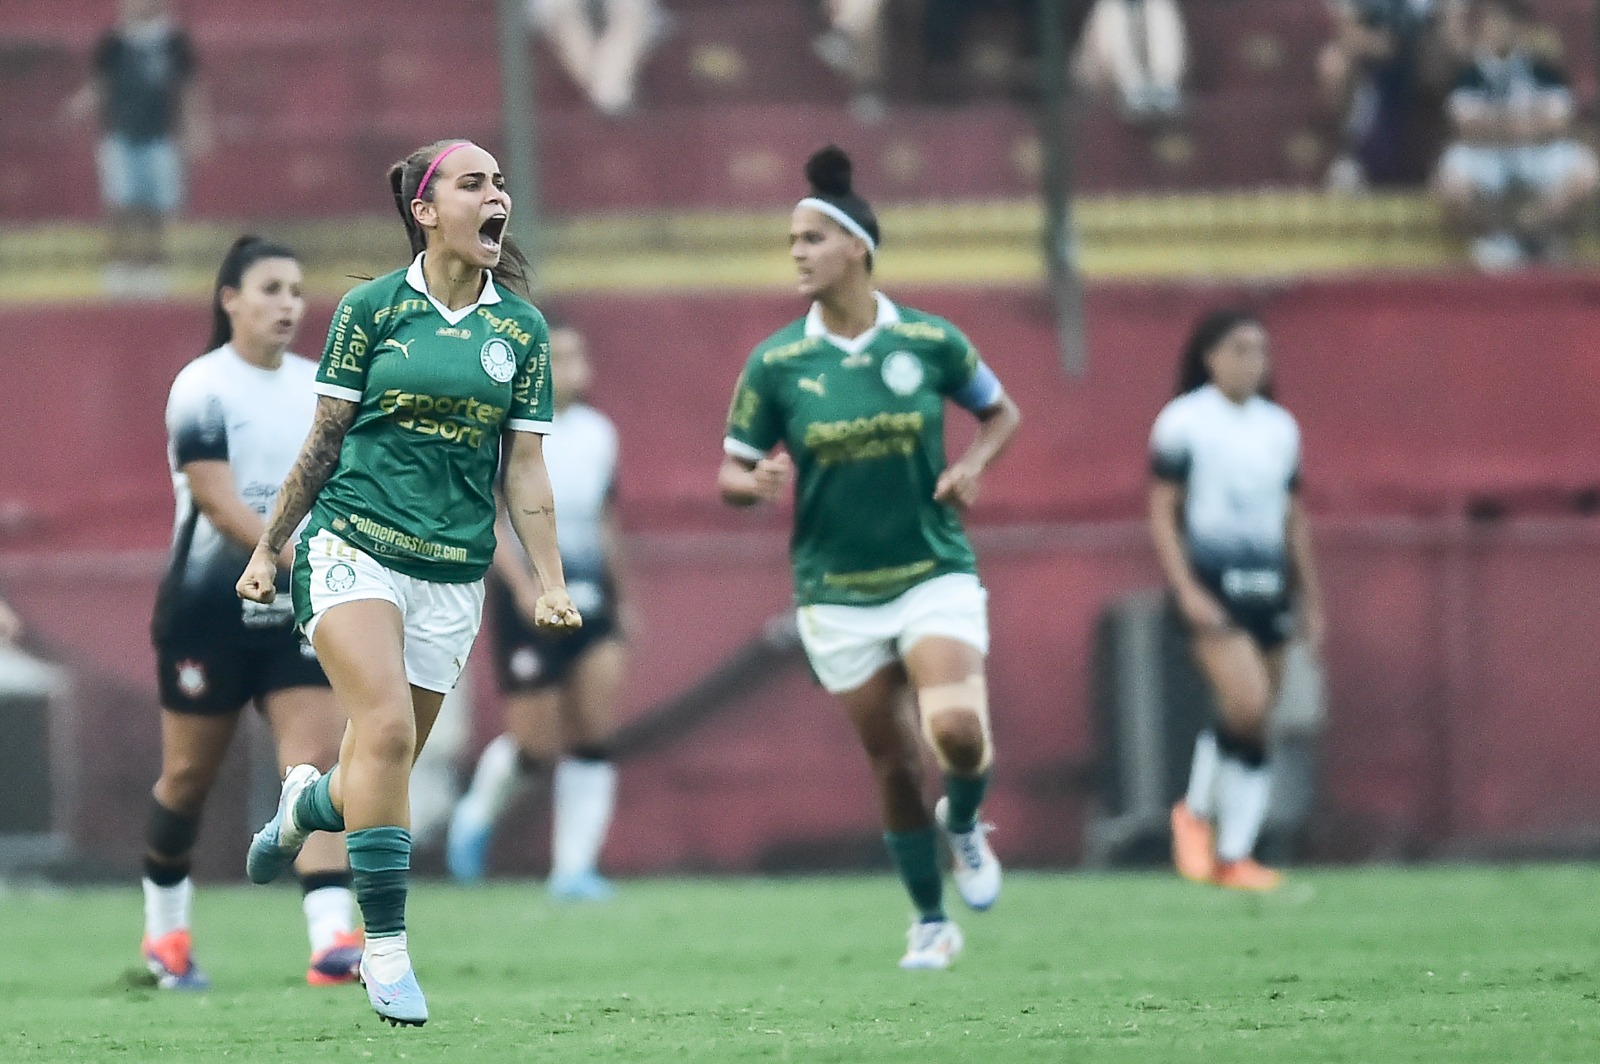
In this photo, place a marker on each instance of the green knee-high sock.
(965, 794)
(916, 857)
(380, 867)
(314, 810)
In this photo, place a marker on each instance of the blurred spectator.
(1515, 177)
(1372, 75)
(602, 44)
(944, 26)
(853, 45)
(142, 89)
(1137, 48)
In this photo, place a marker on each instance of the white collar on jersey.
(888, 314)
(419, 280)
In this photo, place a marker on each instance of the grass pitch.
(1446, 964)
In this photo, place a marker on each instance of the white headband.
(853, 227)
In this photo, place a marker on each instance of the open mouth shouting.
(492, 232)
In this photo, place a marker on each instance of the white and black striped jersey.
(1238, 464)
(222, 408)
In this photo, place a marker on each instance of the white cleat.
(932, 946)
(977, 869)
(275, 846)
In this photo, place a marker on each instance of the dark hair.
(245, 253)
(405, 180)
(830, 173)
(1207, 333)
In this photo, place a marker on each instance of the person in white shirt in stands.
(1233, 542)
(602, 45)
(1516, 178)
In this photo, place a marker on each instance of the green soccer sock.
(314, 810)
(916, 857)
(964, 794)
(380, 867)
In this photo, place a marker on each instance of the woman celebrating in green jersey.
(886, 582)
(429, 375)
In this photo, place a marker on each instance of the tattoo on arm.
(311, 471)
(539, 511)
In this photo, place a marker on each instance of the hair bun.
(829, 171)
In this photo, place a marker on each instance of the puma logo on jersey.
(815, 385)
(403, 345)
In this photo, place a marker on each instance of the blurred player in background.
(887, 585)
(430, 374)
(1233, 542)
(234, 418)
(561, 690)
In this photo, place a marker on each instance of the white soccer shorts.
(847, 644)
(440, 620)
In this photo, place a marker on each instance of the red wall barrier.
(1461, 663)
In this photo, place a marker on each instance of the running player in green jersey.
(885, 580)
(430, 375)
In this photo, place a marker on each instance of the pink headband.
(427, 174)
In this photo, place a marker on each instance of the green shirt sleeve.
(342, 373)
(755, 425)
(532, 405)
(958, 360)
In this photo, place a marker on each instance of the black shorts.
(210, 662)
(1256, 600)
(526, 659)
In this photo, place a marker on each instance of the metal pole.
(519, 127)
(1055, 141)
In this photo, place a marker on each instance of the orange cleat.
(336, 964)
(1193, 845)
(170, 959)
(1247, 874)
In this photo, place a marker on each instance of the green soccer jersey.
(414, 485)
(864, 422)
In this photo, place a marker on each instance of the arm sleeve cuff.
(543, 428)
(1170, 467)
(740, 449)
(333, 391)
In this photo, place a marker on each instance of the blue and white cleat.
(170, 959)
(580, 886)
(466, 847)
(977, 869)
(400, 1002)
(275, 846)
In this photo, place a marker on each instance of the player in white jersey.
(234, 421)
(561, 690)
(1232, 539)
